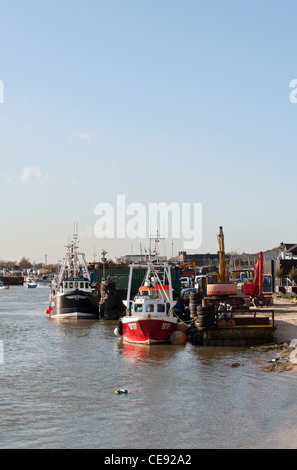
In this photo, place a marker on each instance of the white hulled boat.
(29, 282)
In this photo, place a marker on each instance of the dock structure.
(244, 328)
(12, 280)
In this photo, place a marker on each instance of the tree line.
(24, 263)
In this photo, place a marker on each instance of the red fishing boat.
(149, 317)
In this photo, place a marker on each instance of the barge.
(12, 280)
(244, 328)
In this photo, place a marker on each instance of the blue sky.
(162, 101)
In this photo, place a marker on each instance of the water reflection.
(70, 327)
(148, 354)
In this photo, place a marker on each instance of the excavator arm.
(222, 258)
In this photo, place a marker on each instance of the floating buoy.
(178, 337)
(48, 310)
(116, 331)
(121, 390)
(182, 327)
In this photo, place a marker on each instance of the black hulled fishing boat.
(71, 293)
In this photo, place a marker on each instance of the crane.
(222, 258)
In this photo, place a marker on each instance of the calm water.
(58, 380)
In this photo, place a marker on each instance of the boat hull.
(147, 330)
(76, 304)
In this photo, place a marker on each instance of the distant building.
(205, 259)
(283, 259)
(139, 259)
(270, 255)
(288, 250)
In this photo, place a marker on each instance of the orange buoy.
(178, 337)
(182, 327)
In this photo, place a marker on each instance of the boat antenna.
(94, 254)
(103, 259)
(157, 239)
(75, 230)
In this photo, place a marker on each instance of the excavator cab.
(267, 284)
(260, 289)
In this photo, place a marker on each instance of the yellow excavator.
(223, 276)
(219, 288)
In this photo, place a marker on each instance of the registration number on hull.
(133, 326)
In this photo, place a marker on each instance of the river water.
(58, 380)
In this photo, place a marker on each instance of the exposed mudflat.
(285, 318)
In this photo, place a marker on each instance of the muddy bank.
(285, 318)
(285, 315)
(280, 357)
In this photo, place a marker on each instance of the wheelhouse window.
(66, 285)
(138, 308)
(161, 308)
(70, 285)
(149, 308)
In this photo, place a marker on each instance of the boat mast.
(129, 289)
(72, 266)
